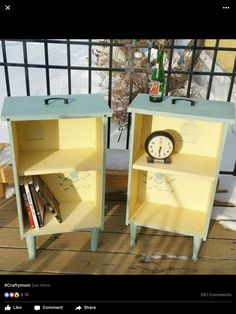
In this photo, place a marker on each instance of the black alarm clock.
(159, 145)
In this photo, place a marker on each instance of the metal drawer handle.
(46, 101)
(175, 99)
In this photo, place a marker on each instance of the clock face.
(159, 145)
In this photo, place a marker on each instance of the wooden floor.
(155, 252)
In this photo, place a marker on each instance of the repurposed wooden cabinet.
(177, 196)
(62, 139)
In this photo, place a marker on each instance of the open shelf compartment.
(169, 202)
(75, 216)
(54, 146)
(80, 202)
(194, 154)
(169, 218)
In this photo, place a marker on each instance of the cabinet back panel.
(191, 136)
(77, 133)
(37, 135)
(178, 191)
(173, 190)
(72, 186)
(56, 134)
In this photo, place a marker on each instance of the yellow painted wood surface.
(72, 186)
(52, 146)
(56, 161)
(99, 192)
(98, 129)
(96, 188)
(134, 193)
(75, 216)
(224, 58)
(169, 218)
(57, 134)
(37, 135)
(78, 133)
(14, 144)
(190, 135)
(80, 206)
(179, 191)
(138, 137)
(187, 164)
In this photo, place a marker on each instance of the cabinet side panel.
(100, 194)
(137, 191)
(99, 132)
(191, 136)
(37, 135)
(220, 150)
(136, 145)
(99, 149)
(140, 129)
(101, 146)
(15, 145)
(221, 144)
(14, 150)
(132, 156)
(77, 133)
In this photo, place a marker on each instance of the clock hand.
(160, 150)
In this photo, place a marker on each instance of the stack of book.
(36, 198)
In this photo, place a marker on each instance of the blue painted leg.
(31, 245)
(94, 239)
(133, 232)
(196, 247)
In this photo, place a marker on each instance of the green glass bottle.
(156, 90)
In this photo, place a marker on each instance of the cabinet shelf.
(169, 218)
(75, 216)
(56, 161)
(184, 164)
